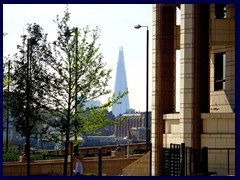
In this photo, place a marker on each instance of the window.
(220, 71)
(220, 11)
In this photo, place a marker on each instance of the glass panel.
(220, 11)
(224, 70)
(219, 71)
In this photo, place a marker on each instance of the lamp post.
(147, 129)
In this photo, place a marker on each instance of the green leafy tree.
(25, 99)
(6, 87)
(77, 75)
(6, 92)
(7, 79)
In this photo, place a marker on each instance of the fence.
(197, 162)
(172, 160)
(179, 160)
(222, 161)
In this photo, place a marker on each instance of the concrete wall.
(222, 39)
(139, 167)
(111, 166)
(219, 132)
(37, 167)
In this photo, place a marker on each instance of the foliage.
(26, 95)
(88, 174)
(25, 99)
(77, 76)
(7, 79)
(52, 82)
(10, 157)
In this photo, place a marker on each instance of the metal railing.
(179, 160)
(209, 161)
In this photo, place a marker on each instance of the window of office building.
(219, 71)
(220, 11)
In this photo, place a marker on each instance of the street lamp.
(147, 129)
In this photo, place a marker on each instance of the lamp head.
(137, 26)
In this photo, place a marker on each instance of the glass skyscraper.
(121, 86)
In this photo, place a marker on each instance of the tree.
(7, 84)
(6, 87)
(7, 79)
(57, 81)
(77, 75)
(24, 101)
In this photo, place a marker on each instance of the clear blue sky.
(116, 22)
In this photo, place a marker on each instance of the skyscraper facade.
(121, 86)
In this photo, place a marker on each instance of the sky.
(116, 22)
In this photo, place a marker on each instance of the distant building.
(121, 86)
(130, 121)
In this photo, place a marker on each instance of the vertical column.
(187, 70)
(163, 77)
(167, 59)
(201, 69)
(156, 141)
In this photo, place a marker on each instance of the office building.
(206, 40)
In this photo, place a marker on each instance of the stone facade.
(207, 104)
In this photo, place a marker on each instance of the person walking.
(79, 167)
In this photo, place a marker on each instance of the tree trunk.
(66, 155)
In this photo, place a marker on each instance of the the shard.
(121, 86)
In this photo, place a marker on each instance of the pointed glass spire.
(121, 85)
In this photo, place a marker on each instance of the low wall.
(37, 167)
(111, 166)
(139, 167)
